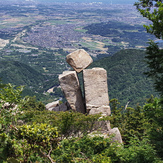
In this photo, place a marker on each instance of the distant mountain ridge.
(91, 1)
(78, 1)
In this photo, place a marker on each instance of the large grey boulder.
(52, 105)
(79, 60)
(96, 90)
(62, 107)
(56, 106)
(104, 110)
(116, 135)
(70, 86)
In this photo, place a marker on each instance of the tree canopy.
(29, 133)
(153, 10)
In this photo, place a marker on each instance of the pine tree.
(153, 10)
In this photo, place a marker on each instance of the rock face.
(96, 90)
(70, 86)
(117, 135)
(59, 107)
(79, 60)
(52, 105)
(96, 96)
(104, 110)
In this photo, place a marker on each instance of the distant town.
(36, 37)
(32, 33)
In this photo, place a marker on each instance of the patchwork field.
(40, 36)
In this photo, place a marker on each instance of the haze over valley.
(41, 35)
(78, 1)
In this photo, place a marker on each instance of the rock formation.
(116, 135)
(70, 86)
(95, 85)
(79, 60)
(96, 98)
(56, 106)
(96, 91)
(52, 105)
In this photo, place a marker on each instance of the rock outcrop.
(96, 91)
(79, 60)
(56, 106)
(104, 110)
(70, 86)
(52, 105)
(116, 135)
(96, 98)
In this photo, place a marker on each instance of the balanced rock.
(79, 60)
(70, 86)
(96, 89)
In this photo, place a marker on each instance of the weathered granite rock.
(105, 110)
(96, 90)
(70, 86)
(62, 107)
(108, 125)
(56, 106)
(106, 134)
(117, 135)
(79, 60)
(52, 105)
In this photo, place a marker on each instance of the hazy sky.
(89, 1)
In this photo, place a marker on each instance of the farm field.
(42, 35)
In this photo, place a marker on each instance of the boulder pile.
(95, 99)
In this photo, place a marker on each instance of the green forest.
(126, 79)
(31, 134)
(120, 32)
(125, 71)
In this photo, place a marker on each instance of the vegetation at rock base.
(28, 133)
(153, 11)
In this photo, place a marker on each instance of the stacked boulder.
(96, 91)
(96, 99)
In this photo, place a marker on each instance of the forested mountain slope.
(126, 80)
(20, 74)
(125, 69)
